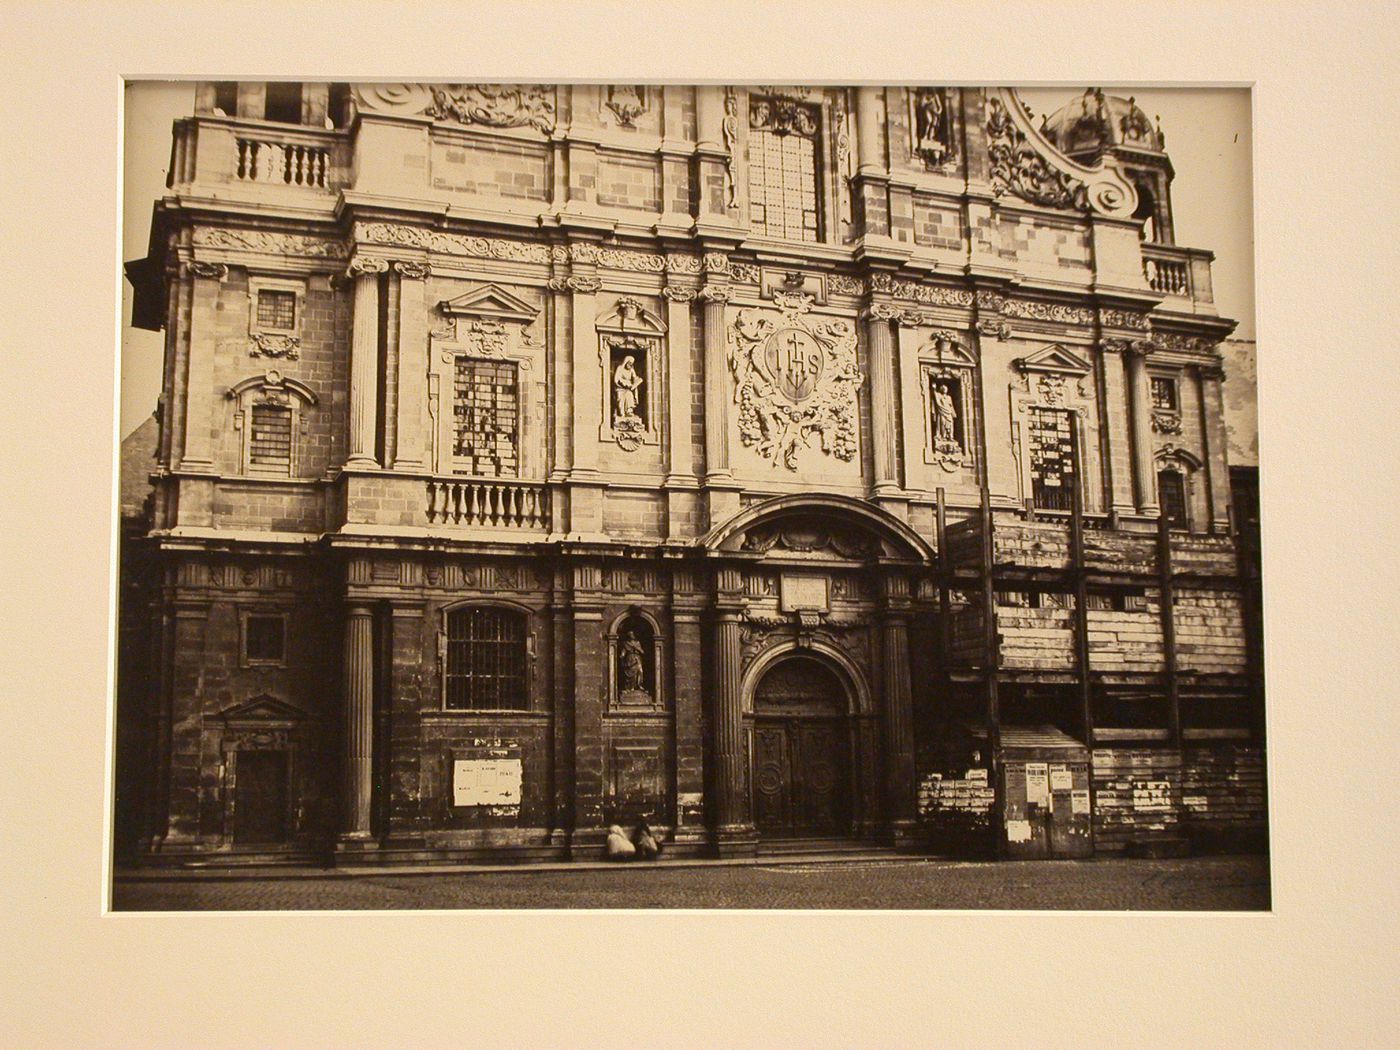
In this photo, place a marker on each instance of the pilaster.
(410, 440)
(1212, 398)
(879, 316)
(898, 711)
(721, 491)
(1140, 406)
(205, 279)
(364, 361)
(680, 481)
(1118, 440)
(589, 675)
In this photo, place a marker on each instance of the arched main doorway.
(801, 751)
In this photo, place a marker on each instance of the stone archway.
(803, 770)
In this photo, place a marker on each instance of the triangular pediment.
(492, 301)
(263, 708)
(1055, 358)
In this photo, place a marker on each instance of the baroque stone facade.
(537, 458)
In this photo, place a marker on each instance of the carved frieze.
(1038, 311)
(495, 105)
(266, 242)
(1111, 318)
(807, 535)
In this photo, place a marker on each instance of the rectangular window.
(486, 410)
(270, 444)
(486, 660)
(1051, 457)
(264, 639)
(1171, 490)
(283, 102)
(784, 144)
(277, 310)
(1164, 397)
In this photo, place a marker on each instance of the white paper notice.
(1078, 802)
(1037, 783)
(486, 782)
(1018, 831)
(1060, 779)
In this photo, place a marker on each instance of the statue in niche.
(633, 654)
(628, 422)
(931, 125)
(945, 415)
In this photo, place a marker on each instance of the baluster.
(298, 162)
(475, 517)
(322, 158)
(517, 506)
(242, 158)
(457, 502)
(432, 501)
(493, 501)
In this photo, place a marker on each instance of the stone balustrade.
(491, 504)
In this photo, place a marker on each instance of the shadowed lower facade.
(767, 463)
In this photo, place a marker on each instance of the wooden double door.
(801, 776)
(260, 799)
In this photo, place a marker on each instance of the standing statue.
(626, 383)
(633, 661)
(944, 417)
(930, 132)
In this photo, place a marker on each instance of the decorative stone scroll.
(1025, 164)
(626, 101)
(795, 378)
(265, 242)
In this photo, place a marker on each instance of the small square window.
(1164, 394)
(277, 309)
(264, 639)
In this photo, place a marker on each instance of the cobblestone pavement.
(1207, 883)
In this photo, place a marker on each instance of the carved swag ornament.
(495, 105)
(795, 377)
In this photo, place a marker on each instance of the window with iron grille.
(1164, 397)
(784, 144)
(486, 660)
(485, 405)
(270, 443)
(1052, 457)
(1171, 491)
(264, 639)
(277, 309)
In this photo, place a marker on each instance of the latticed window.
(277, 309)
(270, 444)
(486, 408)
(486, 660)
(1052, 457)
(1171, 490)
(784, 144)
(1164, 397)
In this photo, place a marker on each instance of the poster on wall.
(1037, 783)
(486, 782)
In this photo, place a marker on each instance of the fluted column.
(359, 727)
(880, 339)
(1140, 398)
(364, 361)
(733, 830)
(899, 724)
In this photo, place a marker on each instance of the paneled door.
(800, 777)
(260, 799)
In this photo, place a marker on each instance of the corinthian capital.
(715, 293)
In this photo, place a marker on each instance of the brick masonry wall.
(1037, 240)
(937, 224)
(624, 182)
(497, 169)
(634, 514)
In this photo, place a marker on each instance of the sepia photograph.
(655, 495)
(785, 525)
